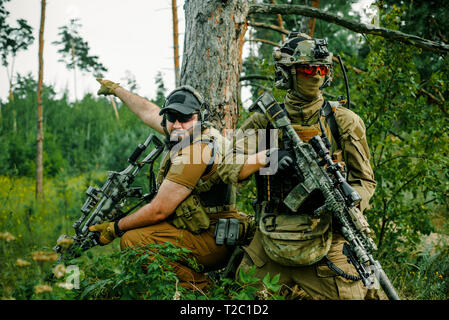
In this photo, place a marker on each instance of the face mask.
(309, 87)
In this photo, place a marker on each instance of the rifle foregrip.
(136, 154)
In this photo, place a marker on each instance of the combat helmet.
(299, 48)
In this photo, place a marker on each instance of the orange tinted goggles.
(311, 70)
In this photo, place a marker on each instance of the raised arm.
(146, 110)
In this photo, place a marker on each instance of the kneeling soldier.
(191, 197)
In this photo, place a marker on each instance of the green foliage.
(248, 286)
(424, 18)
(161, 90)
(78, 137)
(13, 39)
(407, 137)
(431, 269)
(75, 51)
(135, 273)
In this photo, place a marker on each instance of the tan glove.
(106, 230)
(107, 87)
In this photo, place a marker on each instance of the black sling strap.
(330, 118)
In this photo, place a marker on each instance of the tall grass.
(28, 226)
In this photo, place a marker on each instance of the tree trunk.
(212, 59)
(74, 69)
(312, 21)
(40, 132)
(279, 22)
(175, 40)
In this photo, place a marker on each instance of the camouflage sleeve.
(356, 154)
(244, 143)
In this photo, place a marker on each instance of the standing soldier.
(305, 250)
(191, 197)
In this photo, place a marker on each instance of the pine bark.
(213, 43)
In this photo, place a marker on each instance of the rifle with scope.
(317, 172)
(108, 202)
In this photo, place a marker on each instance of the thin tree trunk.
(114, 106)
(212, 63)
(312, 21)
(40, 132)
(279, 21)
(74, 70)
(175, 40)
(11, 94)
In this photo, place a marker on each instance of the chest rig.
(209, 195)
(296, 238)
(273, 188)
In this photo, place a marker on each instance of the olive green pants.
(317, 280)
(202, 246)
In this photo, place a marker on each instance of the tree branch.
(279, 20)
(351, 25)
(274, 44)
(439, 102)
(256, 77)
(268, 26)
(431, 96)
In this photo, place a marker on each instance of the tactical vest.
(208, 196)
(295, 238)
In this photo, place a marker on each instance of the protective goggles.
(173, 116)
(310, 70)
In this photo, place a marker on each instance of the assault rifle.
(107, 203)
(319, 174)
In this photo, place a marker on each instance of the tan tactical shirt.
(190, 164)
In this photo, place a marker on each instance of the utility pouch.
(227, 231)
(295, 239)
(191, 215)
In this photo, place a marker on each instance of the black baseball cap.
(182, 101)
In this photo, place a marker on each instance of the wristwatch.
(117, 230)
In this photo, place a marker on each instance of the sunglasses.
(311, 70)
(173, 116)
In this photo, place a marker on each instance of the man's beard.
(182, 138)
(177, 135)
(185, 136)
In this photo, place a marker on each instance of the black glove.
(279, 158)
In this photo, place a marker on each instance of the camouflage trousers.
(316, 281)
